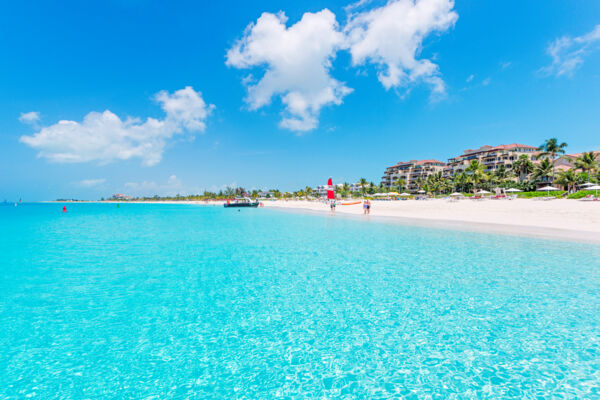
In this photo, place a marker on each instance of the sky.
(149, 97)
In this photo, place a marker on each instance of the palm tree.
(551, 149)
(308, 190)
(346, 189)
(460, 181)
(419, 183)
(523, 167)
(500, 175)
(568, 179)
(543, 169)
(229, 192)
(363, 183)
(400, 183)
(586, 162)
(477, 174)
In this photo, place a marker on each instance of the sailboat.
(330, 191)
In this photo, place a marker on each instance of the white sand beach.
(561, 219)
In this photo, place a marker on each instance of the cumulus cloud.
(31, 117)
(297, 62)
(105, 137)
(470, 78)
(568, 53)
(91, 182)
(391, 37)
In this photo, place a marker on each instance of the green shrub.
(581, 194)
(530, 195)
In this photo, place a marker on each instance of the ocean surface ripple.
(183, 301)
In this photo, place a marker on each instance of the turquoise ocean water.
(177, 301)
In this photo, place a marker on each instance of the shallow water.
(181, 301)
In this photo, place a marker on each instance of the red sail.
(330, 193)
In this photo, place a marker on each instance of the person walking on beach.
(367, 206)
(332, 206)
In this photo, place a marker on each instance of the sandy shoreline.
(557, 219)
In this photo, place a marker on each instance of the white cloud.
(470, 78)
(297, 62)
(357, 4)
(31, 117)
(486, 81)
(568, 52)
(91, 182)
(505, 64)
(104, 137)
(391, 37)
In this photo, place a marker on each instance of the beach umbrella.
(594, 187)
(483, 192)
(456, 194)
(421, 191)
(394, 194)
(585, 185)
(512, 190)
(404, 194)
(547, 189)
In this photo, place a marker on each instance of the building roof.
(415, 162)
(487, 148)
(423, 162)
(575, 155)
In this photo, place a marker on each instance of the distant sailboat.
(330, 192)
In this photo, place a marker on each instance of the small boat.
(242, 202)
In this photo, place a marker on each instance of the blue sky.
(489, 78)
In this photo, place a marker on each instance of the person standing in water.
(367, 206)
(332, 206)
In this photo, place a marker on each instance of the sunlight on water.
(174, 301)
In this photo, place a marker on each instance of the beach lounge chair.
(589, 197)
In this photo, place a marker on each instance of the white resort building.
(491, 157)
(411, 172)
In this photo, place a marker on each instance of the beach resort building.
(321, 190)
(411, 172)
(121, 196)
(357, 187)
(491, 157)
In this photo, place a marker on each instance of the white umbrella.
(512, 190)
(393, 194)
(587, 184)
(594, 187)
(421, 191)
(404, 194)
(547, 189)
(483, 192)
(456, 194)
